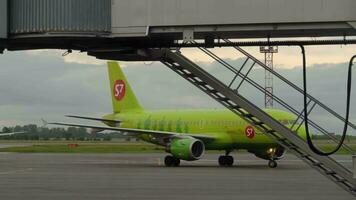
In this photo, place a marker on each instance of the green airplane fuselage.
(229, 129)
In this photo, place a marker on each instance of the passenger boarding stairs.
(229, 96)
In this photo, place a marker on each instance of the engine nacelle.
(187, 148)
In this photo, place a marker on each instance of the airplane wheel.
(222, 161)
(229, 161)
(176, 162)
(171, 161)
(226, 161)
(272, 164)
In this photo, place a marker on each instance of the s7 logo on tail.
(119, 90)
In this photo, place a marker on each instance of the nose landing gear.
(272, 152)
(272, 164)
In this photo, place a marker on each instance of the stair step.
(179, 68)
(248, 115)
(317, 164)
(258, 123)
(201, 83)
(330, 172)
(292, 147)
(213, 91)
(282, 139)
(223, 99)
(236, 107)
(190, 75)
(273, 131)
(341, 180)
(305, 156)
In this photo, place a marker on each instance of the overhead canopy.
(111, 24)
(236, 18)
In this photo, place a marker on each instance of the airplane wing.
(95, 119)
(137, 132)
(9, 134)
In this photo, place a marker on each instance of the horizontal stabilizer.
(9, 134)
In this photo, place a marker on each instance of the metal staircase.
(313, 103)
(229, 97)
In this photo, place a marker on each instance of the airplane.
(186, 134)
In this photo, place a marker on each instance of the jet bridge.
(136, 30)
(95, 25)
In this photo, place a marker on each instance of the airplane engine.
(187, 148)
(273, 153)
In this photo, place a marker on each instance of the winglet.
(44, 122)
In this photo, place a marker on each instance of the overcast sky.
(43, 84)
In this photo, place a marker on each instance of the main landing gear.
(171, 161)
(226, 160)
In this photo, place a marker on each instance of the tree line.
(34, 132)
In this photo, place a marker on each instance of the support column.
(269, 51)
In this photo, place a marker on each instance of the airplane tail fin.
(123, 98)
